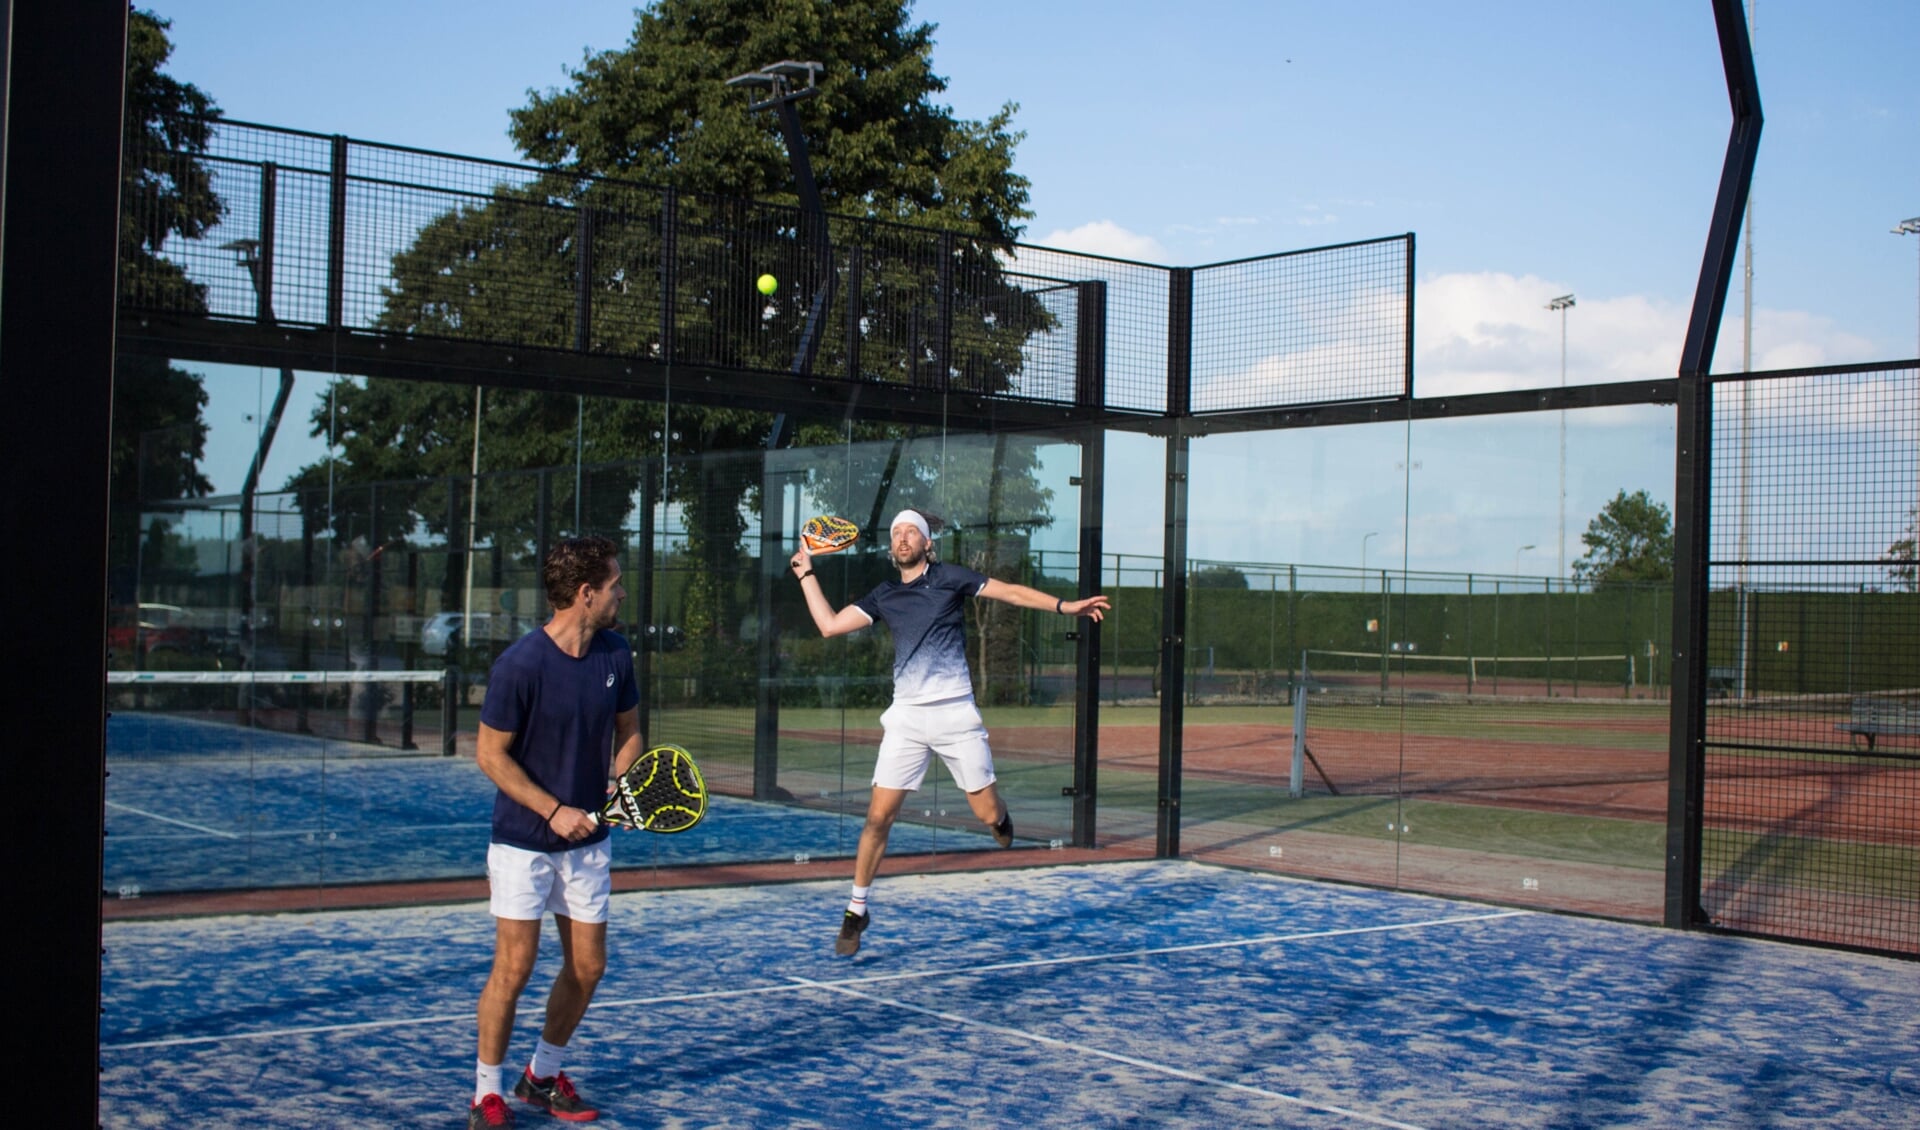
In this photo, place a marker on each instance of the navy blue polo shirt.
(929, 631)
(560, 711)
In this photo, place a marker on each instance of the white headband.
(911, 518)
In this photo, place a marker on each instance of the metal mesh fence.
(1812, 776)
(1308, 327)
(323, 231)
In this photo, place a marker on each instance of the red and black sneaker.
(490, 1111)
(556, 1096)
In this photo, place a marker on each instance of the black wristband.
(803, 576)
(557, 806)
(1059, 605)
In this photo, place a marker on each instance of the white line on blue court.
(171, 820)
(1117, 1057)
(803, 985)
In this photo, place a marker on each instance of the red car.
(141, 630)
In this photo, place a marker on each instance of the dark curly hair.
(573, 562)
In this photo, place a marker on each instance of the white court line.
(171, 820)
(765, 990)
(1117, 1057)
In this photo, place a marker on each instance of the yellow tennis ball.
(768, 284)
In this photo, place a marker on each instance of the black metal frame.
(63, 101)
(1693, 477)
(63, 63)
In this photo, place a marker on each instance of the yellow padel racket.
(661, 792)
(828, 535)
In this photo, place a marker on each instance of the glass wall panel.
(313, 576)
(1418, 681)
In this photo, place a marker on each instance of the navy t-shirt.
(560, 711)
(929, 631)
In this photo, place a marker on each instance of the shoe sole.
(565, 1115)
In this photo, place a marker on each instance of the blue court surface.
(1144, 994)
(198, 806)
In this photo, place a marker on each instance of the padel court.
(1154, 993)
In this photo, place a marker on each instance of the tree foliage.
(657, 115)
(1901, 557)
(159, 433)
(1630, 540)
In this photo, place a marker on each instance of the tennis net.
(1412, 673)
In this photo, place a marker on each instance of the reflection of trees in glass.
(159, 436)
(1631, 539)
(658, 112)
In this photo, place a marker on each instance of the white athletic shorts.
(527, 885)
(918, 731)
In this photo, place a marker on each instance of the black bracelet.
(803, 576)
(1059, 605)
(557, 806)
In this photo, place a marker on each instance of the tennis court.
(1153, 993)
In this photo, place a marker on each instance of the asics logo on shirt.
(609, 679)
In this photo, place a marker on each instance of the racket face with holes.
(662, 791)
(828, 534)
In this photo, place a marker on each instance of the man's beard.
(908, 558)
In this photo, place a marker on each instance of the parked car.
(442, 633)
(140, 630)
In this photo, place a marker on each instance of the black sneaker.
(556, 1096)
(1003, 831)
(490, 1111)
(848, 943)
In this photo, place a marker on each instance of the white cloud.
(1104, 237)
(1492, 332)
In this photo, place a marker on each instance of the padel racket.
(828, 535)
(662, 791)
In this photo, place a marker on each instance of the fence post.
(337, 236)
(450, 684)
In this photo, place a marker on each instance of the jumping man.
(933, 710)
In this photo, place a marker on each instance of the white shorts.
(528, 884)
(916, 732)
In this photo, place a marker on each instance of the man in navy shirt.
(933, 712)
(561, 716)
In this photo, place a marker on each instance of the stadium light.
(1908, 227)
(1562, 304)
(1516, 558)
(1363, 549)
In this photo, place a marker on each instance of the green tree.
(657, 115)
(1630, 540)
(1901, 557)
(159, 434)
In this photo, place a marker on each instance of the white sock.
(546, 1061)
(858, 904)
(488, 1079)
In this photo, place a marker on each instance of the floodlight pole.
(779, 86)
(1363, 549)
(1563, 304)
(1908, 227)
(787, 83)
(256, 256)
(1912, 227)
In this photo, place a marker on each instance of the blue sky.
(1535, 150)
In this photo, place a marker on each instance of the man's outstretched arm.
(1020, 596)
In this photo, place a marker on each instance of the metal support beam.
(1693, 472)
(1173, 651)
(62, 90)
